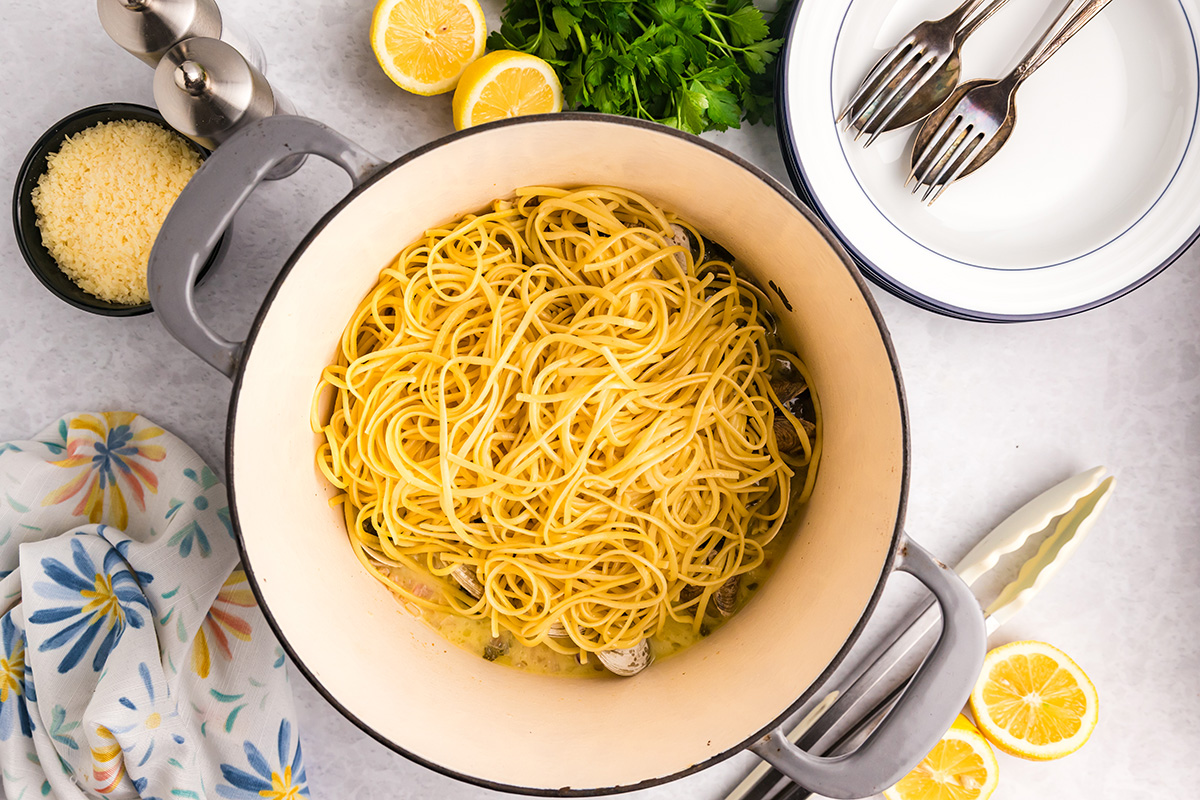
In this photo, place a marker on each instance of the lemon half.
(424, 45)
(506, 83)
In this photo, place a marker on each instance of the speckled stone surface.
(998, 412)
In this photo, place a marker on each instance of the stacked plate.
(1097, 191)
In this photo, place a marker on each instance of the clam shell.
(788, 389)
(465, 576)
(467, 579)
(681, 237)
(629, 661)
(725, 598)
(786, 437)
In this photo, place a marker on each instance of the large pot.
(492, 725)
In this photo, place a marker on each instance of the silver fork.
(978, 117)
(915, 76)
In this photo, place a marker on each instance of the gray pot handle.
(206, 207)
(926, 709)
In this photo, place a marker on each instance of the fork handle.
(1056, 36)
(959, 16)
(970, 23)
(965, 9)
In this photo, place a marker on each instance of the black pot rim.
(29, 242)
(897, 534)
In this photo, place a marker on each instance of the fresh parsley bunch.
(697, 65)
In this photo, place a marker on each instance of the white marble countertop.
(998, 412)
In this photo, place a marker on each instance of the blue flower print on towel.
(14, 711)
(126, 748)
(147, 720)
(287, 782)
(95, 600)
(156, 674)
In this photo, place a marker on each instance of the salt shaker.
(149, 28)
(208, 91)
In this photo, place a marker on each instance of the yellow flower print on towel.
(222, 622)
(108, 763)
(108, 454)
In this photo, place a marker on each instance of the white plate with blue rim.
(1097, 191)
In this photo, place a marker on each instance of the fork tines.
(948, 155)
(889, 86)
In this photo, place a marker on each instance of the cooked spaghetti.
(571, 409)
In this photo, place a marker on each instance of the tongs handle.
(925, 710)
(843, 718)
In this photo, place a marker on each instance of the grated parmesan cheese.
(103, 199)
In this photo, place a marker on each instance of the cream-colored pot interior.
(490, 723)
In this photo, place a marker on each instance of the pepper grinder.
(208, 91)
(148, 28)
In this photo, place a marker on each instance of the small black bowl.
(29, 236)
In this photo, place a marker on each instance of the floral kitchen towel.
(134, 660)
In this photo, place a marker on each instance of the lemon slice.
(506, 83)
(961, 766)
(424, 45)
(1033, 701)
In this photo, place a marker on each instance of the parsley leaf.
(723, 109)
(698, 65)
(691, 109)
(747, 26)
(759, 54)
